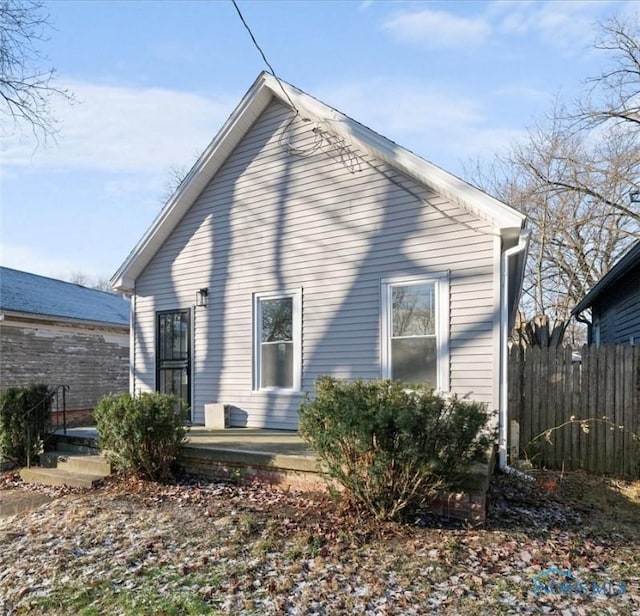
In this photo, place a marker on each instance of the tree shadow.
(553, 500)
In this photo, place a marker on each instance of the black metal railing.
(56, 397)
(59, 395)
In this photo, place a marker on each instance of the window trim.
(441, 289)
(296, 296)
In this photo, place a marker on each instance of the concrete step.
(87, 464)
(49, 459)
(59, 477)
(62, 468)
(74, 448)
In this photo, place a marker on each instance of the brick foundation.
(471, 507)
(468, 506)
(284, 478)
(75, 418)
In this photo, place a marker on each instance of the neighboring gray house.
(615, 302)
(56, 332)
(316, 246)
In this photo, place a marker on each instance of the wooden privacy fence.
(576, 409)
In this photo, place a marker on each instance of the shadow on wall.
(383, 251)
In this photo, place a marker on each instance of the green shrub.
(25, 418)
(141, 434)
(392, 448)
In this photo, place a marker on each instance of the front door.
(173, 365)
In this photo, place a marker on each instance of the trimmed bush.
(25, 418)
(141, 434)
(392, 449)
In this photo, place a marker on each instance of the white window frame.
(296, 296)
(441, 288)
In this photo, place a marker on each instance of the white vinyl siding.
(272, 220)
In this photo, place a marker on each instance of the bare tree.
(176, 176)
(573, 176)
(99, 283)
(26, 87)
(613, 95)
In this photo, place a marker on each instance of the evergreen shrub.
(141, 434)
(25, 419)
(391, 446)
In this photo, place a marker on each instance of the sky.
(153, 81)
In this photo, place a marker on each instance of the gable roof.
(30, 294)
(505, 219)
(625, 264)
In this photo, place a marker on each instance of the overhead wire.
(339, 149)
(264, 57)
(287, 145)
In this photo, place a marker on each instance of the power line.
(253, 38)
(344, 153)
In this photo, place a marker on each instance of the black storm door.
(173, 364)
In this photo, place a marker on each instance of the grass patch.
(147, 592)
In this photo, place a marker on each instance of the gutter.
(33, 317)
(503, 434)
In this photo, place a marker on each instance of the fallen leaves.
(196, 547)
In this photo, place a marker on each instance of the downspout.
(132, 344)
(589, 325)
(503, 433)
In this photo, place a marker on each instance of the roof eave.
(122, 284)
(252, 104)
(52, 318)
(624, 265)
(502, 217)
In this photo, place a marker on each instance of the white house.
(319, 247)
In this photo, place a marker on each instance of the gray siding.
(93, 361)
(618, 311)
(271, 220)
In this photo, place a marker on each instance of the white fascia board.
(470, 198)
(123, 284)
(11, 315)
(507, 220)
(250, 107)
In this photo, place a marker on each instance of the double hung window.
(415, 331)
(277, 340)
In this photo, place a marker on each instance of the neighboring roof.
(22, 292)
(629, 260)
(505, 219)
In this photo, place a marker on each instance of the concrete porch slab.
(275, 442)
(282, 458)
(284, 442)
